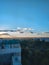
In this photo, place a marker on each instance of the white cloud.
(30, 29)
(18, 28)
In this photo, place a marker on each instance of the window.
(14, 46)
(10, 45)
(16, 59)
(3, 46)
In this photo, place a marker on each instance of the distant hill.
(5, 35)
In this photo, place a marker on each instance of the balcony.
(10, 50)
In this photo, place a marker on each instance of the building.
(10, 52)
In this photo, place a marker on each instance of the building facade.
(10, 52)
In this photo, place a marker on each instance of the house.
(10, 52)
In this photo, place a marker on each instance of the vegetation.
(35, 52)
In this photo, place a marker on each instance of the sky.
(25, 13)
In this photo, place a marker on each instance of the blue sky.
(25, 13)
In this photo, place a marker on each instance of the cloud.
(30, 29)
(18, 28)
(24, 29)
